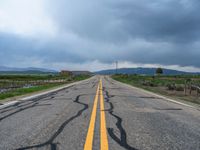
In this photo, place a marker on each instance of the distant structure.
(81, 73)
(66, 73)
(74, 73)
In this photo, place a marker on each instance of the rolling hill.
(143, 71)
(29, 70)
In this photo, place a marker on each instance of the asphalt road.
(99, 114)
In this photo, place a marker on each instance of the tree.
(159, 71)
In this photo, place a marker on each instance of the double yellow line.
(103, 134)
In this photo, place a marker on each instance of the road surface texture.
(99, 113)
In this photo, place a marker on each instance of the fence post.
(185, 90)
(190, 89)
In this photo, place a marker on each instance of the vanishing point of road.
(99, 114)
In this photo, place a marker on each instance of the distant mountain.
(29, 70)
(144, 71)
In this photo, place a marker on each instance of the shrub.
(159, 71)
(170, 87)
(179, 88)
(148, 83)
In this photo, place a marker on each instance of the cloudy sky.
(92, 34)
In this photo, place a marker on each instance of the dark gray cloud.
(166, 20)
(14, 49)
(163, 32)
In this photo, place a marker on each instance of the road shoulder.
(177, 101)
(14, 100)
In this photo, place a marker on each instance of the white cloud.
(126, 64)
(90, 66)
(25, 18)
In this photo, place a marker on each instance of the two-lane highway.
(99, 114)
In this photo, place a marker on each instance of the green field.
(178, 86)
(15, 85)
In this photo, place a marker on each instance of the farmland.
(181, 87)
(15, 85)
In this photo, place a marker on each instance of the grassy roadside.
(22, 91)
(37, 88)
(160, 84)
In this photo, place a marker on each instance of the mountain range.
(29, 70)
(143, 71)
(139, 70)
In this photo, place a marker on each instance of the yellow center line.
(90, 133)
(103, 133)
(104, 138)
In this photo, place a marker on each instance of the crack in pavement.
(122, 141)
(33, 100)
(94, 84)
(167, 108)
(21, 106)
(19, 110)
(108, 80)
(53, 146)
(18, 105)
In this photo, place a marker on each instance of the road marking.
(9, 104)
(103, 132)
(90, 133)
(157, 95)
(104, 138)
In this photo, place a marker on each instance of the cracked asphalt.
(134, 120)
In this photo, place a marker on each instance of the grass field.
(178, 87)
(15, 85)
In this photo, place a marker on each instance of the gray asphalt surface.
(135, 120)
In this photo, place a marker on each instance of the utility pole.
(116, 67)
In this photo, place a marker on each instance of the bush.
(192, 88)
(148, 83)
(179, 88)
(171, 87)
(159, 71)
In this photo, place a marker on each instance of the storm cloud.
(56, 34)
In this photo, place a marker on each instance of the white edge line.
(8, 104)
(41, 94)
(154, 94)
